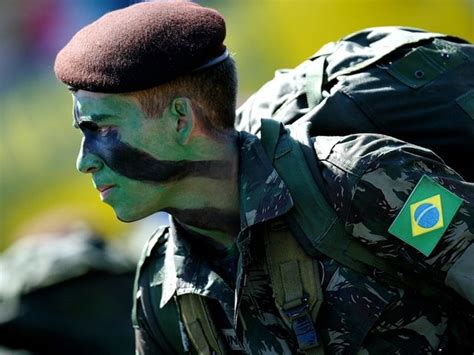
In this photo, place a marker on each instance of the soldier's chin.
(128, 216)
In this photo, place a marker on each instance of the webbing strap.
(290, 163)
(295, 283)
(197, 337)
(199, 325)
(270, 134)
(292, 284)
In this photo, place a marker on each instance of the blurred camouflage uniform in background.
(65, 292)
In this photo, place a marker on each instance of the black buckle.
(302, 324)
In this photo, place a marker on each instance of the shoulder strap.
(289, 161)
(296, 287)
(158, 237)
(162, 323)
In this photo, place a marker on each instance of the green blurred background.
(38, 145)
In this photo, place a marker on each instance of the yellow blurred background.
(38, 145)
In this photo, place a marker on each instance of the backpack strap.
(296, 287)
(289, 161)
(199, 325)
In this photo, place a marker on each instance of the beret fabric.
(142, 46)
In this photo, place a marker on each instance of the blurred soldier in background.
(64, 291)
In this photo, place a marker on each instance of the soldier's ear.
(184, 119)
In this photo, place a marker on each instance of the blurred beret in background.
(142, 46)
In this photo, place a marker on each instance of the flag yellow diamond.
(426, 215)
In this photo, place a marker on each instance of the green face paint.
(106, 122)
(134, 160)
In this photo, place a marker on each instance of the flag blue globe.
(426, 215)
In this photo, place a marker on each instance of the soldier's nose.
(88, 162)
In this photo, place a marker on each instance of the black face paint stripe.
(139, 165)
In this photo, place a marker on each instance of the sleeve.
(144, 343)
(157, 330)
(373, 193)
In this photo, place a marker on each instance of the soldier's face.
(132, 159)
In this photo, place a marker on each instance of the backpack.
(407, 83)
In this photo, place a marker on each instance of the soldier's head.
(154, 92)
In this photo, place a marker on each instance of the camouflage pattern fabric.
(65, 293)
(368, 178)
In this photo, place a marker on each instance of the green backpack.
(407, 83)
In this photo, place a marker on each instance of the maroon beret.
(142, 46)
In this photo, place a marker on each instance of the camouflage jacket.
(368, 178)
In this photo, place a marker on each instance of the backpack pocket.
(424, 64)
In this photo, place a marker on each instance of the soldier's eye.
(88, 126)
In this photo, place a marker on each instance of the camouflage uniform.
(368, 178)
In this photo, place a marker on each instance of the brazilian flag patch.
(426, 215)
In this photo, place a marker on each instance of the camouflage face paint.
(138, 165)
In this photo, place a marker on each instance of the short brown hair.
(212, 91)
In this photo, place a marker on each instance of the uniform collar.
(263, 196)
(186, 272)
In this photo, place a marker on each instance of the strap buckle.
(296, 308)
(301, 322)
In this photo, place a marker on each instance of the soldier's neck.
(210, 207)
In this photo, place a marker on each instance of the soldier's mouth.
(105, 190)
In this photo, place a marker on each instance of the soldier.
(154, 92)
